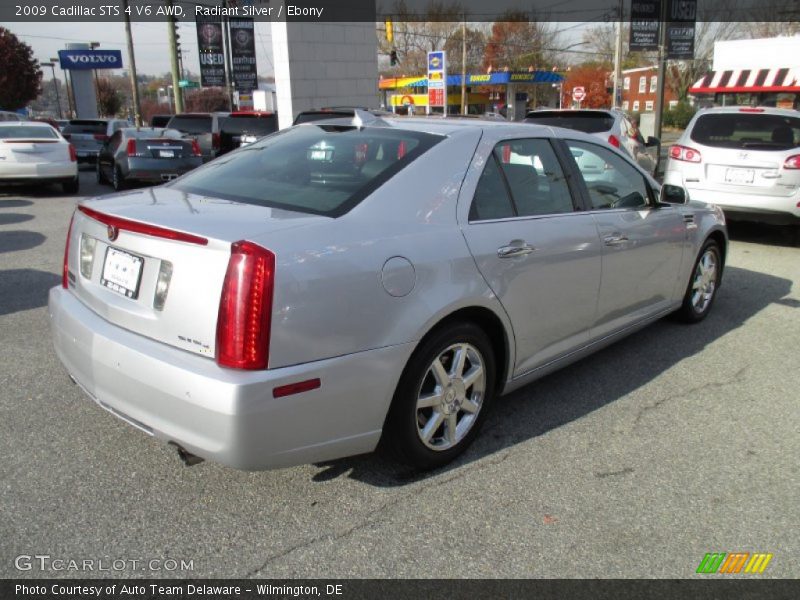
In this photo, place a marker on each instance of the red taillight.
(245, 308)
(101, 137)
(131, 148)
(65, 269)
(613, 140)
(685, 154)
(196, 149)
(137, 227)
(215, 140)
(401, 149)
(793, 162)
(73, 156)
(751, 110)
(506, 153)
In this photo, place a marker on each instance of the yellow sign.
(478, 78)
(435, 76)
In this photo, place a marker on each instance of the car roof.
(18, 123)
(768, 110)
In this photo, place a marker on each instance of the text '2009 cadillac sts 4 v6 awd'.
(347, 284)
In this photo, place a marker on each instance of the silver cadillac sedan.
(347, 285)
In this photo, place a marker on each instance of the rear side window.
(588, 122)
(747, 130)
(191, 124)
(90, 127)
(318, 169)
(310, 117)
(28, 132)
(258, 125)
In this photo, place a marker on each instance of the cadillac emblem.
(113, 232)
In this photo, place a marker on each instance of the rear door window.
(319, 169)
(751, 131)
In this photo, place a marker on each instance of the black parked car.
(147, 155)
(245, 127)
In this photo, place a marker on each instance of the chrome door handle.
(515, 248)
(616, 239)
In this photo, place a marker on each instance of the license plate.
(739, 176)
(166, 153)
(122, 272)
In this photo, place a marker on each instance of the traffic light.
(393, 57)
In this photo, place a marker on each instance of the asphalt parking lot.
(634, 462)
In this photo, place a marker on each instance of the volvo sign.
(84, 60)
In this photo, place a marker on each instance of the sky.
(149, 40)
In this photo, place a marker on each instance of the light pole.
(94, 45)
(55, 85)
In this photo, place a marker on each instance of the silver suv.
(744, 159)
(611, 126)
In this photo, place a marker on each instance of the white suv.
(744, 159)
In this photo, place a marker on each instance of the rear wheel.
(703, 284)
(442, 397)
(99, 173)
(71, 187)
(117, 179)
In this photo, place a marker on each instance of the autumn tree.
(109, 101)
(592, 78)
(20, 75)
(517, 44)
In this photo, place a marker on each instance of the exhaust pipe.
(187, 457)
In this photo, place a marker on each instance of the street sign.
(437, 78)
(184, 83)
(578, 93)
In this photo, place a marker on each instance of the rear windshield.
(85, 127)
(588, 122)
(310, 117)
(191, 124)
(152, 132)
(322, 169)
(747, 130)
(28, 132)
(260, 125)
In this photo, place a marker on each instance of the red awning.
(748, 80)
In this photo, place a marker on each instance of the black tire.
(702, 288)
(99, 174)
(72, 186)
(404, 427)
(118, 180)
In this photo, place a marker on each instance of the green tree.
(20, 75)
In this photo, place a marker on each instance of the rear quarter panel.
(329, 294)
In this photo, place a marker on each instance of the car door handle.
(515, 248)
(616, 239)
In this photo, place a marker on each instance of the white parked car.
(35, 153)
(744, 159)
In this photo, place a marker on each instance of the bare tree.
(767, 29)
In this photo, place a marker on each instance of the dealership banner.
(243, 55)
(210, 50)
(645, 21)
(681, 18)
(85, 60)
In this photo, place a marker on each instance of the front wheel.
(72, 186)
(703, 284)
(442, 397)
(117, 179)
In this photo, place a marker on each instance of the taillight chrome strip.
(143, 228)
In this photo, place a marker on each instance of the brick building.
(639, 90)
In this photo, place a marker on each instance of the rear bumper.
(155, 170)
(753, 207)
(38, 172)
(225, 415)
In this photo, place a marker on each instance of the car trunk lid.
(154, 261)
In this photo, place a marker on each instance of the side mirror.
(673, 194)
(652, 141)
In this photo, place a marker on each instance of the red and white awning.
(748, 80)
